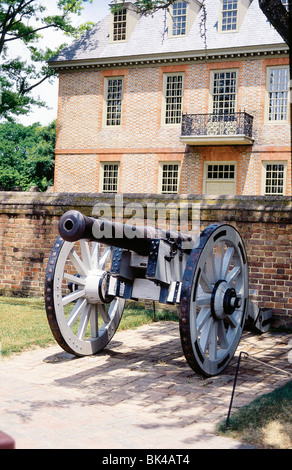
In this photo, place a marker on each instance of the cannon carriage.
(96, 265)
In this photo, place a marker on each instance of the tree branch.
(278, 16)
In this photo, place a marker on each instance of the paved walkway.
(139, 393)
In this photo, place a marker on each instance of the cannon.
(96, 265)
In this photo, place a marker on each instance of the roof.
(150, 40)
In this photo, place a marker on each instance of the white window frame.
(265, 163)
(212, 83)
(221, 180)
(268, 91)
(165, 98)
(160, 176)
(242, 7)
(102, 176)
(173, 18)
(234, 13)
(106, 107)
(114, 16)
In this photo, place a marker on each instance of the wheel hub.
(224, 300)
(96, 287)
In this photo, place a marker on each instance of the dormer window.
(123, 21)
(120, 25)
(179, 18)
(229, 15)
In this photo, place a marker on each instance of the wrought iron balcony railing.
(205, 129)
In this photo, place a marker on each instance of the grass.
(266, 422)
(23, 323)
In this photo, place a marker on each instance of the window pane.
(179, 18)
(173, 99)
(224, 92)
(226, 171)
(278, 94)
(114, 102)
(119, 25)
(110, 178)
(170, 178)
(229, 15)
(274, 183)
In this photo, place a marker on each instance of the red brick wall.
(28, 229)
(141, 142)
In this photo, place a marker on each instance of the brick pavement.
(139, 393)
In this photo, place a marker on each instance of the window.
(229, 15)
(114, 94)
(120, 25)
(169, 178)
(286, 4)
(173, 96)
(226, 171)
(277, 93)
(179, 18)
(274, 178)
(109, 177)
(224, 92)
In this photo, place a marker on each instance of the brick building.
(150, 105)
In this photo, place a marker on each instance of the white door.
(220, 178)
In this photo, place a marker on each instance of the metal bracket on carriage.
(258, 319)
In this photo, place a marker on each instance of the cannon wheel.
(214, 299)
(80, 321)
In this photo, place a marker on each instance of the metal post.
(234, 385)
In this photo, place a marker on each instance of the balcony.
(217, 129)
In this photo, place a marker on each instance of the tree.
(27, 155)
(23, 21)
(278, 16)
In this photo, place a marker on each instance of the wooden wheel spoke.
(203, 317)
(222, 335)
(86, 255)
(104, 313)
(79, 306)
(218, 259)
(205, 283)
(205, 334)
(233, 274)
(95, 254)
(83, 321)
(73, 296)
(105, 257)
(213, 341)
(94, 321)
(75, 279)
(78, 263)
(226, 262)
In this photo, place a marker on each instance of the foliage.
(27, 155)
(23, 21)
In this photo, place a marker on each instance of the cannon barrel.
(74, 225)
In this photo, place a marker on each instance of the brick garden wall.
(28, 229)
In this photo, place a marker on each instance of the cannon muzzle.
(74, 225)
